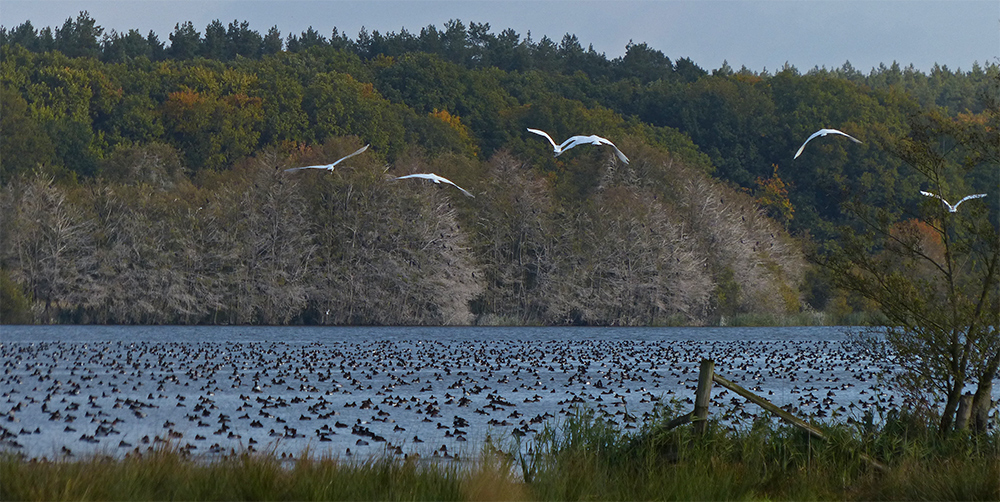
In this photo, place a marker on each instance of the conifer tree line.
(143, 181)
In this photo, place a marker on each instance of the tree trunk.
(982, 403)
(948, 415)
(964, 410)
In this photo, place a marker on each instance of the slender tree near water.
(935, 274)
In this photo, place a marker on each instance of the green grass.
(581, 458)
(589, 460)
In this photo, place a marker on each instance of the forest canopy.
(143, 179)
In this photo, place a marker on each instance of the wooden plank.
(769, 406)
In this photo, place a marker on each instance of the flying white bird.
(951, 208)
(329, 167)
(436, 179)
(579, 140)
(824, 132)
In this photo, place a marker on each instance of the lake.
(364, 391)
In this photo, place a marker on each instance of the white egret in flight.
(329, 167)
(579, 140)
(951, 208)
(436, 179)
(824, 132)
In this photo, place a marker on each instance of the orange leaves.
(241, 100)
(368, 90)
(186, 111)
(186, 98)
(968, 118)
(212, 130)
(919, 237)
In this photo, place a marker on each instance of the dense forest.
(144, 181)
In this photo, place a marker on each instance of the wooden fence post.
(703, 395)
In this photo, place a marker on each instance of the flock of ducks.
(433, 397)
(573, 141)
(64, 399)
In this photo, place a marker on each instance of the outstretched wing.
(967, 197)
(418, 175)
(436, 179)
(951, 208)
(593, 139)
(329, 167)
(466, 192)
(823, 132)
(573, 141)
(540, 132)
(359, 150)
(842, 133)
(605, 141)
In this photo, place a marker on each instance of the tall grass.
(581, 458)
(590, 459)
(167, 474)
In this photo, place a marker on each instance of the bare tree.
(631, 264)
(514, 242)
(49, 244)
(264, 244)
(755, 265)
(389, 253)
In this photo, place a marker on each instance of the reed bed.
(581, 458)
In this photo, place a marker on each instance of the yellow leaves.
(186, 111)
(60, 93)
(452, 120)
(238, 81)
(455, 123)
(772, 194)
(297, 149)
(214, 82)
(203, 78)
(968, 121)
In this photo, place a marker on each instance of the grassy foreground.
(581, 459)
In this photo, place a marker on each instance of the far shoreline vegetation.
(143, 181)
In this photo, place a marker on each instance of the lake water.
(361, 391)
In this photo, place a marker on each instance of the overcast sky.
(758, 34)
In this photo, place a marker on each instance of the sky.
(758, 34)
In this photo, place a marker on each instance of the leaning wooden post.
(703, 395)
(769, 406)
